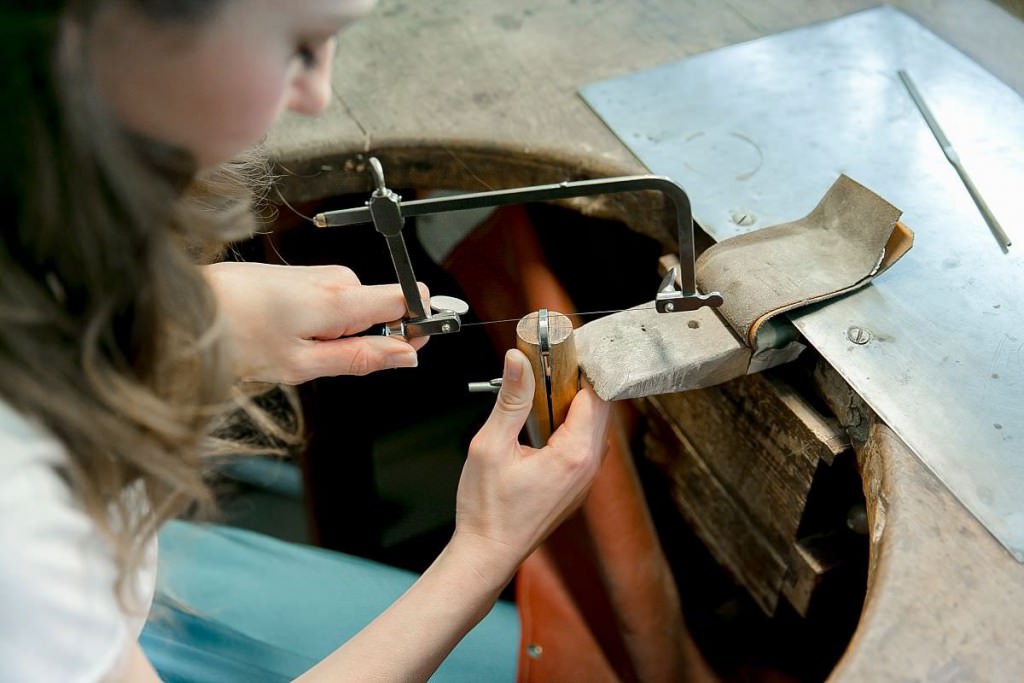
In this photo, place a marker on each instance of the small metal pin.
(544, 339)
(544, 344)
(394, 329)
(491, 387)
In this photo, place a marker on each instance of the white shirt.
(60, 619)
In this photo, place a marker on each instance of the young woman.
(121, 120)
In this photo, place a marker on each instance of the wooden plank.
(742, 457)
(641, 352)
(810, 561)
(468, 88)
(823, 431)
(734, 539)
(760, 451)
(501, 75)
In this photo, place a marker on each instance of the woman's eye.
(307, 56)
(314, 52)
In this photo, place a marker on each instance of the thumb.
(515, 400)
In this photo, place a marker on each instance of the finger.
(515, 400)
(363, 307)
(360, 308)
(355, 309)
(418, 342)
(358, 356)
(331, 275)
(424, 296)
(586, 425)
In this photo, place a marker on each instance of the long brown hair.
(109, 335)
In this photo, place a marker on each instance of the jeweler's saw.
(386, 210)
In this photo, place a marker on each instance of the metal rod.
(406, 275)
(544, 344)
(947, 148)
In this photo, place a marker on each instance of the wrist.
(493, 562)
(218, 278)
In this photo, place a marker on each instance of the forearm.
(413, 636)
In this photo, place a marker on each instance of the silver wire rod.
(947, 148)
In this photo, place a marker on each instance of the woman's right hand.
(291, 324)
(512, 496)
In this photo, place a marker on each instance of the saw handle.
(555, 370)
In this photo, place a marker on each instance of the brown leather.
(597, 601)
(850, 237)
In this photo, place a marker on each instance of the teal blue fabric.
(233, 605)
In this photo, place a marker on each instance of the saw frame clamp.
(386, 210)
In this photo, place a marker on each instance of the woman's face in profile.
(216, 86)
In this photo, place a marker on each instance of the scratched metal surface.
(757, 132)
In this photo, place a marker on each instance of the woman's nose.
(311, 90)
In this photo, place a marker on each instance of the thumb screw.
(491, 387)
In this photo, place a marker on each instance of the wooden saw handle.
(565, 371)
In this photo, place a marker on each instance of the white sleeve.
(59, 616)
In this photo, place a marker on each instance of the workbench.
(453, 94)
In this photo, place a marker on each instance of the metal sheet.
(757, 132)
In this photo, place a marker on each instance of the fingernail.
(513, 368)
(407, 359)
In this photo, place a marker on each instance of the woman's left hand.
(512, 496)
(290, 324)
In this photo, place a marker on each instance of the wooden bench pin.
(546, 337)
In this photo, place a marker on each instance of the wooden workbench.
(482, 94)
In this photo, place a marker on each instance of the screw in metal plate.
(858, 335)
(742, 217)
(534, 651)
(670, 307)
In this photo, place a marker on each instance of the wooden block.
(641, 352)
(810, 561)
(557, 368)
(742, 457)
(725, 526)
